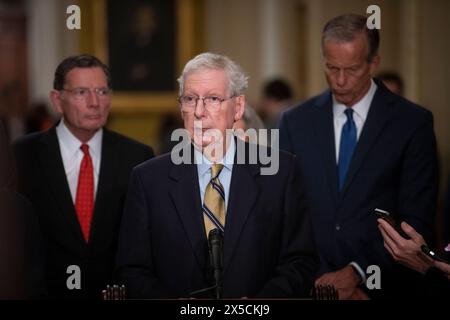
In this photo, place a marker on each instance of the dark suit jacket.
(21, 249)
(268, 249)
(446, 219)
(42, 179)
(394, 168)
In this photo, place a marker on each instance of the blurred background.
(146, 43)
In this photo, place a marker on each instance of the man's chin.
(343, 99)
(93, 128)
(200, 143)
(94, 124)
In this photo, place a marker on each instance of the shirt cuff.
(360, 271)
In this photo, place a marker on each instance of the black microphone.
(215, 239)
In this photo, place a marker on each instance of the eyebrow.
(349, 67)
(206, 95)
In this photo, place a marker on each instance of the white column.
(49, 42)
(42, 53)
(410, 48)
(316, 82)
(271, 46)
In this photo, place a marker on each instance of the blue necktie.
(347, 146)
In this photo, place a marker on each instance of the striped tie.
(214, 202)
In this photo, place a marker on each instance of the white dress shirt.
(72, 155)
(360, 111)
(204, 170)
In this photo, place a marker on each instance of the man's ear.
(239, 107)
(374, 65)
(55, 97)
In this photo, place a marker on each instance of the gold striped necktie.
(214, 202)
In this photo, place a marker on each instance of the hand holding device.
(387, 216)
(432, 254)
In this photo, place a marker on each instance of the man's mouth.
(93, 117)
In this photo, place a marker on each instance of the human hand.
(444, 267)
(345, 280)
(405, 251)
(359, 294)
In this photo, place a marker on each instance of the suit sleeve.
(134, 265)
(419, 180)
(35, 255)
(417, 194)
(446, 219)
(285, 138)
(297, 264)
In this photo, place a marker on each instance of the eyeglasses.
(83, 93)
(210, 102)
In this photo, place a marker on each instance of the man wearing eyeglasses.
(173, 211)
(76, 176)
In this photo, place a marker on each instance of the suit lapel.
(106, 179)
(324, 130)
(52, 164)
(243, 194)
(185, 195)
(377, 118)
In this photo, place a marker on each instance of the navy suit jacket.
(394, 167)
(268, 248)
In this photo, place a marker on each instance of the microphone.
(215, 240)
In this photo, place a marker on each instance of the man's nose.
(93, 99)
(199, 108)
(341, 78)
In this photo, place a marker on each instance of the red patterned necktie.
(84, 202)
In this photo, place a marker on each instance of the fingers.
(359, 294)
(389, 230)
(412, 233)
(396, 243)
(321, 280)
(425, 258)
(444, 267)
(326, 279)
(389, 243)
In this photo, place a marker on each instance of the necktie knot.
(215, 170)
(85, 148)
(349, 114)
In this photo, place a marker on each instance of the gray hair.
(238, 80)
(346, 27)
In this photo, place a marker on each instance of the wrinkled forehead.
(345, 52)
(207, 79)
(86, 77)
(358, 43)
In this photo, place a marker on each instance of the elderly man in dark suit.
(171, 208)
(360, 147)
(76, 176)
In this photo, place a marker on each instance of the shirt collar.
(203, 163)
(72, 144)
(361, 108)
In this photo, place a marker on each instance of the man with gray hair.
(213, 225)
(361, 147)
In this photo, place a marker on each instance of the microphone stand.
(215, 240)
